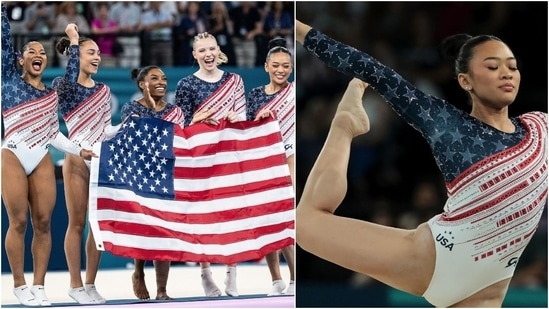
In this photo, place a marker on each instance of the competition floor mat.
(184, 285)
(243, 301)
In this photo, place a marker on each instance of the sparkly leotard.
(193, 94)
(30, 114)
(282, 103)
(170, 112)
(496, 181)
(86, 111)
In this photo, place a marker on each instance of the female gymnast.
(29, 110)
(495, 169)
(86, 109)
(277, 99)
(211, 88)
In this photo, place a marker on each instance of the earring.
(468, 88)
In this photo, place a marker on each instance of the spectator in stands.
(127, 15)
(68, 14)
(156, 24)
(40, 19)
(192, 23)
(16, 16)
(279, 24)
(221, 27)
(248, 36)
(39, 22)
(105, 31)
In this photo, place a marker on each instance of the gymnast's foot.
(230, 282)
(81, 297)
(278, 288)
(291, 288)
(350, 114)
(25, 297)
(162, 294)
(139, 286)
(92, 291)
(40, 294)
(208, 284)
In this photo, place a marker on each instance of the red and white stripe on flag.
(221, 194)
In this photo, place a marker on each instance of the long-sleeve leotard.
(484, 168)
(86, 111)
(29, 114)
(496, 181)
(228, 94)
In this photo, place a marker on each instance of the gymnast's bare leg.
(402, 259)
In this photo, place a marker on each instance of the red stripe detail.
(221, 91)
(101, 93)
(229, 146)
(232, 191)
(90, 116)
(201, 218)
(229, 168)
(50, 97)
(177, 255)
(126, 228)
(42, 103)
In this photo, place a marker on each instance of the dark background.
(393, 179)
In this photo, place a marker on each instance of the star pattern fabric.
(457, 140)
(15, 90)
(29, 114)
(85, 110)
(191, 91)
(71, 94)
(281, 103)
(257, 98)
(135, 109)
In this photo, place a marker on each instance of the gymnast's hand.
(87, 154)
(149, 101)
(301, 31)
(264, 114)
(205, 116)
(232, 117)
(72, 32)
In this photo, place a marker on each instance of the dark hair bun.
(277, 42)
(134, 73)
(451, 45)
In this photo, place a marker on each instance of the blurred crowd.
(393, 178)
(140, 33)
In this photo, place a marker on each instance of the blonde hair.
(221, 58)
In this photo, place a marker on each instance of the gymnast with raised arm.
(494, 166)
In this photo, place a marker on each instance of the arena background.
(393, 176)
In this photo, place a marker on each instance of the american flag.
(221, 194)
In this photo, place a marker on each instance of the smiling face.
(206, 52)
(89, 57)
(279, 67)
(493, 75)
(157, 83)
(34, 59)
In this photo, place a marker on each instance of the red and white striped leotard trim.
(283, 104)
(501, 198)
(228, 97)
(33, 123)
(87, 122)
(175, 115)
